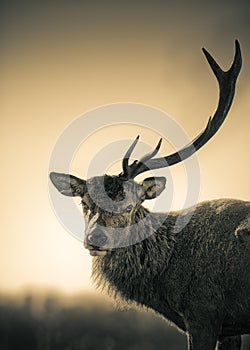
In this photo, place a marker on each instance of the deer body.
(194, 272)
(198, 278)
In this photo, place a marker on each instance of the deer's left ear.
(152, 187)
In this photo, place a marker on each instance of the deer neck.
(126, 273)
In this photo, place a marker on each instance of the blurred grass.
(82, 323)
(56, 324)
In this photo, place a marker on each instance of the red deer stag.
(197, 277)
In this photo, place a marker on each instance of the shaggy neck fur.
(133, 272)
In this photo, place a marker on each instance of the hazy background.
(62, 58)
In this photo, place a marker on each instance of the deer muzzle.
(95, 243)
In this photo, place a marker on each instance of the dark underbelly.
(236, 328)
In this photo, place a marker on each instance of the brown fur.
(197, 278)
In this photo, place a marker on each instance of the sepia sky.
(60, 59)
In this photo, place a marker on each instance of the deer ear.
(152, 187)
(68, 185)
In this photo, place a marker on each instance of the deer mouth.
(95, 250)
(98, 252)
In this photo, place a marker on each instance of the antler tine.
(140, 164)
(235, 67)
(151, 154)
(129, 169)
(237, 63)
(125, 161)
(226, 81)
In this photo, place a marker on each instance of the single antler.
(226, 81)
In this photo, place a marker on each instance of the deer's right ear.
(68, 185)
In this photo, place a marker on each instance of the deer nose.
(97, 238)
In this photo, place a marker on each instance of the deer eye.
(129, 208)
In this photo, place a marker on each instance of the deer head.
(112, 203)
